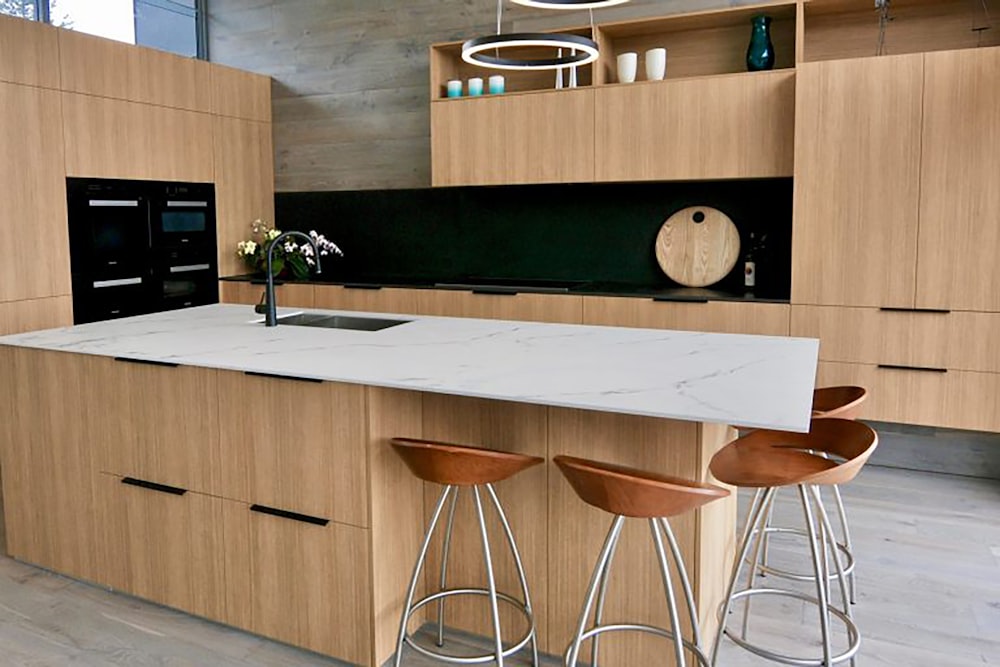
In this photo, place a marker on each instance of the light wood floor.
(929, 588)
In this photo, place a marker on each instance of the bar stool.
(627, 492)
(833, 452)
(843, 402)
(456, 467)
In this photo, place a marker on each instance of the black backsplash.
(603, 233)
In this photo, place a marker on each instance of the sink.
(339, 322)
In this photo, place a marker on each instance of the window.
(169, 25)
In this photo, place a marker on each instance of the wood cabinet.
(28, 51)
(959, 200)
(295, 445)
(35, 314)
(384, 300)
(288, 295)
(857, 181)
(166, 428)
(240, 94)
(244, 184)
(734, 126)
(163, 545)
(309, 585)
(540, 137)
(716, 316)
(47, 460)
(34, 240)
(109, 138)
(562, 308)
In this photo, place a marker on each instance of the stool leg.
(416, 574)
(490, 578)
(754, 520)
(574, 649)
(842, 579)
(444, 564)
(846, 531)
(520, 570)
(685, 581)
(822, 581)
(761, 543)
(595, 643)
(668, 586)
(767, 542)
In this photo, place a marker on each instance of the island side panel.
(577, 530)
(397, 511)
(504, 426)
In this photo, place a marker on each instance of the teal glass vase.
(760, 53)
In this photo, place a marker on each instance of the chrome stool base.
(495, 596)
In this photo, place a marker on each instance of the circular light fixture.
(474, 50)
(570, 4)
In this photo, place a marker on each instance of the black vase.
(760, 53)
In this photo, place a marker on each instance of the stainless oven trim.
(190, 267)
(117, 203)
(117, 282)
(187, 204)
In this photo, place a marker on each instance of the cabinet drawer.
(950, 399)
(295, 445)
(288, 296)
(769, 319)
(956, 340)
(384, 300)
(559, 308)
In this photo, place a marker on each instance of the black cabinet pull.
(362, 286)
(277, 376)
(495, 292)
(921, 369)
(153, 486)
(147, 362)
(927, 311)
(285, 514)
(678, 299)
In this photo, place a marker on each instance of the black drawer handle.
(153, 486)
(927, 311)
(285, 514)
(678, 299)
(362, 286)
(921, 369)
(278, 376)
(495, 292)
(147, 362)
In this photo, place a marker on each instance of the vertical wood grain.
(28, 51)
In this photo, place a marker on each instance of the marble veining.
(751, 381)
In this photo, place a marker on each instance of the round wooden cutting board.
(698, 246)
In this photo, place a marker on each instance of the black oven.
(140, 247)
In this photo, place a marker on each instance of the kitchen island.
(242, 473)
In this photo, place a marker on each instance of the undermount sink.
(339, 322)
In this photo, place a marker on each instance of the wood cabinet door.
(857, 182)
(34, 238)
(764, 319)
(28, 52)
(162, 424)
(244, 184)
(384, 300)
(47, 458)
(251, 294)
(296, 446)
(738, 126)
(959, 197)
(163, 545)
(240, 94)
(527, 138)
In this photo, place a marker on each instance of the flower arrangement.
(290, 259)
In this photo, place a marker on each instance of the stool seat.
(843, 402)
(632, 492)
(764, 459)
(460, 465)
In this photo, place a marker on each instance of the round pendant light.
(570, 4)
(475, 50)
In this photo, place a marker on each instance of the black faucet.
(271, 318)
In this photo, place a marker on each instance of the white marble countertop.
(752, 381)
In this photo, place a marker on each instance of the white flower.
(306, 249)
(310, 261)
(246, 248)
(272, 234)
(290, 247)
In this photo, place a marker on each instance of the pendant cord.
(499, 15)
(883, 24)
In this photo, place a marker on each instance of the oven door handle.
(187, 268)
(117, 282)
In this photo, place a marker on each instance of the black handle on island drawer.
(278, 376)
(495, 292)
(926, 311)
(153, 486)
(147, 362)
(678, 299)
(920, 369)
(371, 286)
(285, 514)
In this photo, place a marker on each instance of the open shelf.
(836, 29)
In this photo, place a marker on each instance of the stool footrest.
(847, 569)
(700, 656)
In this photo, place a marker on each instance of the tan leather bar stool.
(457, 467)
(842, 402)
(833, 452)
(627, 492)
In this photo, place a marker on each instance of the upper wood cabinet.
(959, 197)
(34, 240)
(240, 94)
(735, 126)
(544, 137)
(28, 51)
(857, 181)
